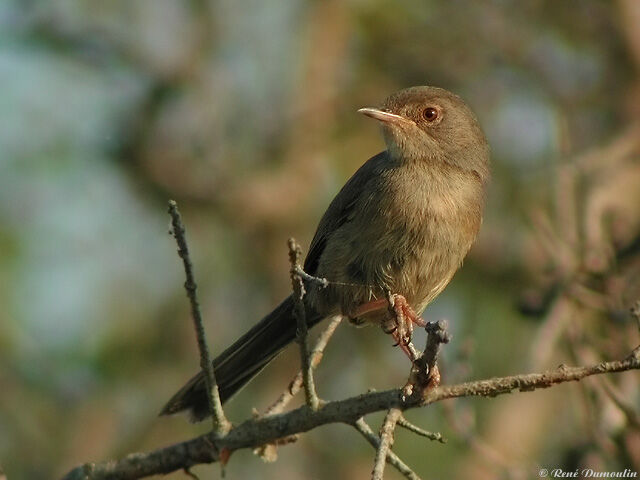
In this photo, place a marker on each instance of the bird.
(396, 232)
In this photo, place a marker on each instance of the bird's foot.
(401, 322)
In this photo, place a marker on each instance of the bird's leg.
(372, 306)
(401, 321)
(404, 318)
(403, 310)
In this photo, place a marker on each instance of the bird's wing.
(341, 209)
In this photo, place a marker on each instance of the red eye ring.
(430, 114)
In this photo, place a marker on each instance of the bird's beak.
(383, 116)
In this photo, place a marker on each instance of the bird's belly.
(414, 264)
(411, 248)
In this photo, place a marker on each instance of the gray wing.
(341, 209)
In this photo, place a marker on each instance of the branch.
(386, 440)
(424, 374)
(268, 452)
(256, 432)
(299, 312)
(220, 423)
(392, 458)
(320, 282)
(435, 436)
(424, 371)
(437, 335)
(316, 356)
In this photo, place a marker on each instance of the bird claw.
(403, 319)
(400, 321)
(391, 330)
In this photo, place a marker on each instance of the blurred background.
(245, 113)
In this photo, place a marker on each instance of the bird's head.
(432, 124)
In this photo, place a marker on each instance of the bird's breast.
(429, 226)
(409, 236)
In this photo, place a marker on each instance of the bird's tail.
(241, 361)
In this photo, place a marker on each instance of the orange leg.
(401, 325)
(372, 306)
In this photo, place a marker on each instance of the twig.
(364, 428)
(220, 423)
(386, 440)
(437, 335)
(321, 282)
(424, 371)
(316, 357)
(255, 432)
(298, 297)
(435, 436)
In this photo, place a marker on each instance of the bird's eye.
(430, 114)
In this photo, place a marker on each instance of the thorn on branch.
(220, 423)
(297, 285)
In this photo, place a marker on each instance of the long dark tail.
(241, 361)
